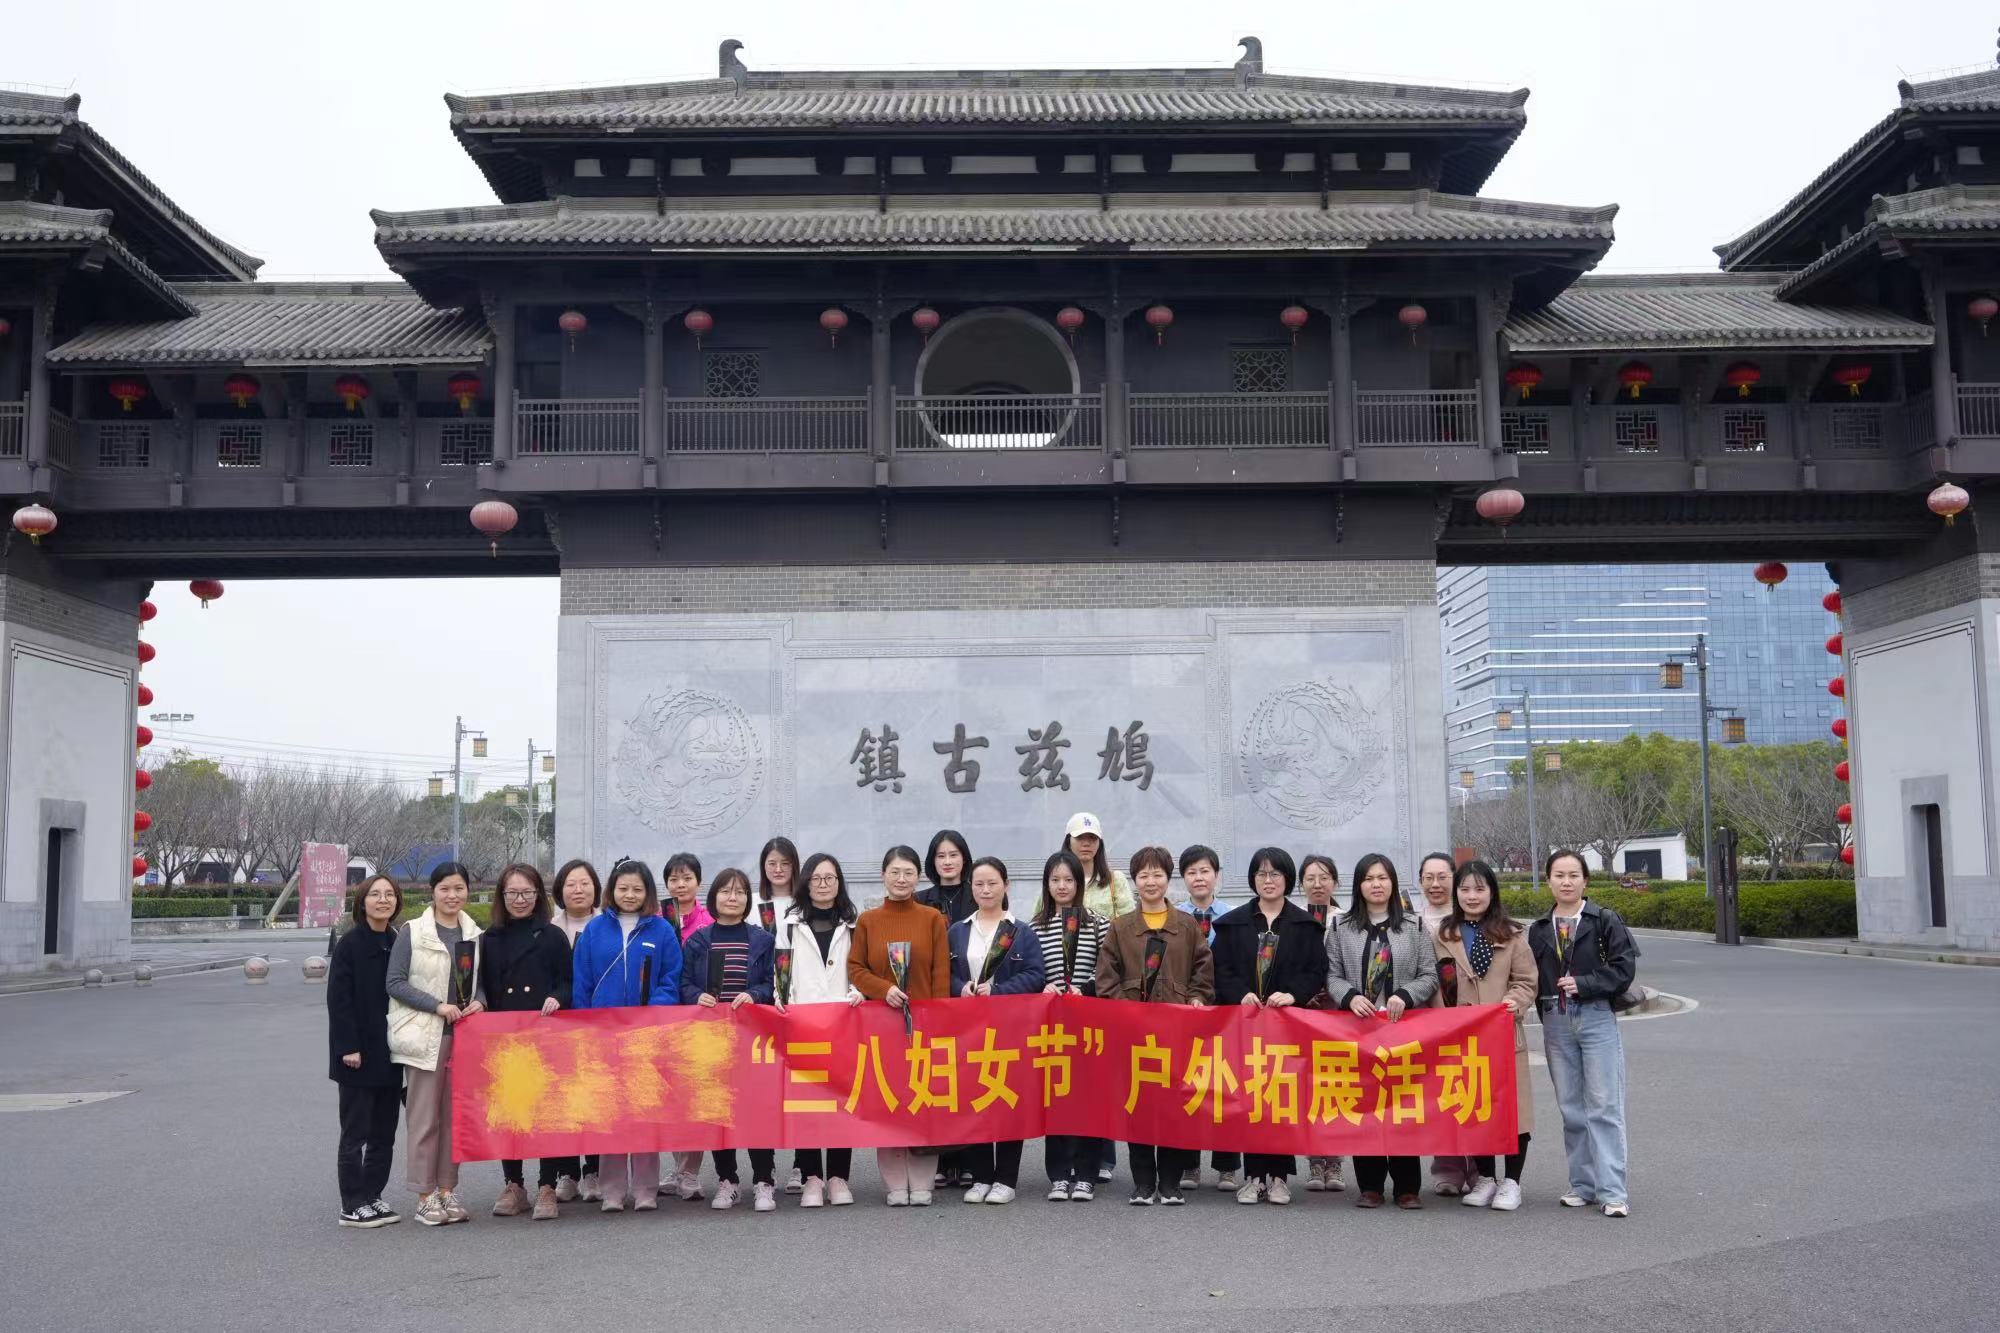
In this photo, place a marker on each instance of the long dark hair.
(1496, 925)
(1100, 868)
(1357, 911)
(1045, 909)
(787, 853)
(596, 884)
(540, 912)
(843, 906)
(957, 839)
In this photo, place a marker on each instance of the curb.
(1907, 953)
(122, 977)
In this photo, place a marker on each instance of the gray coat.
(1413, 970)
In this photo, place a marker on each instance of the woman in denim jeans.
(1584, 959)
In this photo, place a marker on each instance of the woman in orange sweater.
(920, 931)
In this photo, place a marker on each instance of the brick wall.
(36, 607)
(1953, 583)
(1053, 586)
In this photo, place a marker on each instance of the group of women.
(945, 928)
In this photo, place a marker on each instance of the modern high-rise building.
(1585, 642)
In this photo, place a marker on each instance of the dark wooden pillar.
(652, 395)
(40, 334)
(1117, 416)
(1944, 385)
(500, 317)
(881, 379)
(1340, 373)
(1486, 311)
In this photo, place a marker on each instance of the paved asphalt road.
(1812, 1149)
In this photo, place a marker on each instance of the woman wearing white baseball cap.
(1106, 892)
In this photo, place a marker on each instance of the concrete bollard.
(256, 971)
(314, 969)
(94, 977)
(142, 975)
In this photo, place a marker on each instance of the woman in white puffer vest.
(818, 929)
(427, 995)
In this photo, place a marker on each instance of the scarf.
(1477, 948)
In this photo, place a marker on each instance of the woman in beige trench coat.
(1486, 954)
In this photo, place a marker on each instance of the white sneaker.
(588, 1189)
(1278, 1190)
(1616, 1210)
(1226, 1182)
(1575, 1200)
(1059, 1192)
(1252, 1189)
(1331, 1177)
(725, 1195)
(920, 1198)
(813, 1193)
(837, 1193)
(977, 1194)
(1314, 1181)
(795, 1183)
(687, 1184)
(1000, 1194)
(899, 1198)
(767, 1198)
(566, 1191)
(1191, 1180)
(1481, 1195)
(1104, 1174)
(1508, 1197)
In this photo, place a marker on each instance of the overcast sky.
(280, 127)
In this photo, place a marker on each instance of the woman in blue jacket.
(993, 954)
(628, 955)
(729, 963)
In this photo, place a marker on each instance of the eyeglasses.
(525, 894)
(825, 881)
(1278, 875)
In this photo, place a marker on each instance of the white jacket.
(415, 1037)
(813, 981)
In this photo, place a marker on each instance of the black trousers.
(1225, 1161)
(546, 1170)
(995, 1163)
(1515, 1161)
(953, 1164)
(367, 1142)
(1406, 1172)
(763, 1165)
(1265, 1164)
(1152, 1167)
(838, 1163)
(1072, 1158)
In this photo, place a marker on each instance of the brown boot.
(513, 1201)
(545, 1204)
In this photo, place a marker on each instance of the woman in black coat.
(1293, 975)
(524, 963)
(371, 1088)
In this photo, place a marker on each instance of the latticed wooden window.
(1636, 430)
(1524, 432)
(239, 444)
(351, 444)
(125, 444)
(732, 374)
(1744, 430)
(1857, 428)
(465, 443)
(1260, 369)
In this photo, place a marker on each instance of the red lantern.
(1159, 317)
(5, 328)
(1853, 377)
(1294, 318)
(127, 392)
(34, 521)
(572, 323)
(141, 821)
(147, 652)
(833, 319)
(147, 611)
(1845, 814)
(143, 734)
(463, 387)
(1982, 309)
(241, 388)
(1840, 727)
(1771, 573)
(700, 323)
(1501, 506)
(1413, 317)
(145, 695)
(1524, 377)
(1832, 602)
(1847, 855)
(353, 390)
(207, 590)
(1741, 376)
(141, 780)
(925, 320)
(1069, 319)
(1949, 501)
(495, 519)
(1840, 770)
(138, 867)
(1837, 687)
(1635, 375)
(1836, 645)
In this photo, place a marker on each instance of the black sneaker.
(385, 1212)
(1141, 1201)
(358, 1218)
(1171, 1200)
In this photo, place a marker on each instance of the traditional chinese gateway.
(971, 448)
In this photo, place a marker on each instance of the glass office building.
(1585, 642)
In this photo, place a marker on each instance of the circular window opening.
(997, 379)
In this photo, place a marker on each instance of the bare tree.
(193, 807)
(1782, 797)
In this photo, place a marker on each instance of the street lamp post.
(534, 802)
(1504, 721)
(1671, 678)
(459, 731)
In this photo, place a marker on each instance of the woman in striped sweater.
(1070, 935)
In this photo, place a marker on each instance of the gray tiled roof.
(1942, 213)
(25, 225)
(1699, 312)
(1965, 93)
(288, 324)
(59, 115)
(1133, 222)
(800, 100)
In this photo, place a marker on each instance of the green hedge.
(172, 907)
(1798, 909)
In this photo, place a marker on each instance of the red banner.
(1440, 1081)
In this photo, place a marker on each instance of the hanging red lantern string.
(1294, 318)
(1837, 687)
(1839, 727)
(141, 821)
(147, 611)
(138, 867)
(700, 323)
(494, 519)
(206, 590)
(1853, 377)
(128, 392)
(833, 319)
(241, 388)
(1771, 573)
(143, 734)
(141, 780)
(353, 391)
(145, 695)
(1069, 319)
(1526, 377)
(1948, 501)
(1841, 770)
(147, 652)
(1845, 814)
(34, 521)
(1836, 645)
(1847, 855)
(1832, 602)
(1742, 376)
(463, 388)
(925, 320)
(1159, 318)
(1634, 376)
